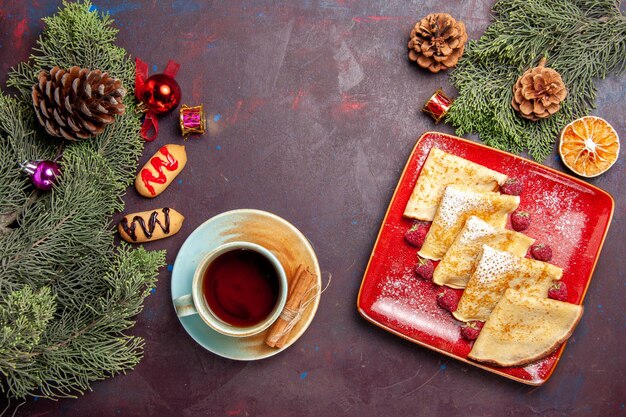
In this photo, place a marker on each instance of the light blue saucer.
(286, 242)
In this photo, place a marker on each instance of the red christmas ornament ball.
(161, 93)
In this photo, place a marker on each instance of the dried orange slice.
(589, 146)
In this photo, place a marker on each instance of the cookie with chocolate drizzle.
(150, 225)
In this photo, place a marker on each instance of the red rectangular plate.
(567, 213)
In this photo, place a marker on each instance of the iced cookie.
(160, 170)
(142, 227)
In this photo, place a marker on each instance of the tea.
(241, 287)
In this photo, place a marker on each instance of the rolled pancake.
(460, 260)
(440, 170)
(498, 271)
(457, 205)
(524, 329)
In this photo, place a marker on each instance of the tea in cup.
(239, 289)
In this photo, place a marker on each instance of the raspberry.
(472, 329)
(448, 299)
(558, 291)
(520, 220)
(541, 252)
(417, 234)
(424, 269)
(512, 186)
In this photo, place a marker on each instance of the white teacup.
(195, 303)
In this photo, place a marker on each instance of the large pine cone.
(437, 42)
(538, 93)
(78, 103)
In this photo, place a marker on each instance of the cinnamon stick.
(307, 283)
(300, 285)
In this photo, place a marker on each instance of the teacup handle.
(184, 306)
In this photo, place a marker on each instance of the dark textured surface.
(313, 109)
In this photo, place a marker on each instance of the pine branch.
(19, 143)
(582, 39)
(67, 295)
(55, 364)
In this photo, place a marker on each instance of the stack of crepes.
(501, 287)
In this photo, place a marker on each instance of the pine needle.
(582, 39)
(67, 294)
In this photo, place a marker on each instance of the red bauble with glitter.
(161, 93)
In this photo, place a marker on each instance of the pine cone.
(538, 93)
(78, 103)
(437, 42)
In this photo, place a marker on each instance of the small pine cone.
(78, 103)
(538, 93)
(437, 42)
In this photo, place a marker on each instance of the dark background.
(313, 110)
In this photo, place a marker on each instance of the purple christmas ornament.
(43, 174)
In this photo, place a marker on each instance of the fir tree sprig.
(582, 39)
(67, 294)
